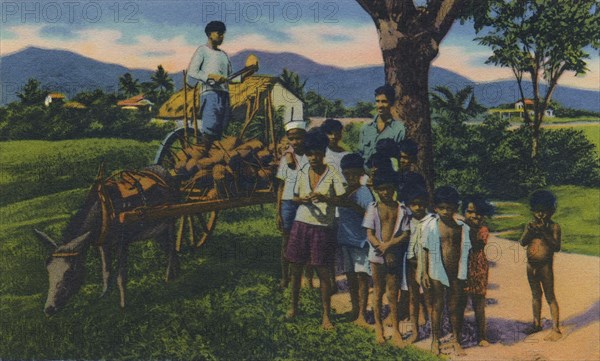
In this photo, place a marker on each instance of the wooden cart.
(194, 212)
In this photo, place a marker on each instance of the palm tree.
(291, 81)
(163, 84)
(128, 85)
(457, 106)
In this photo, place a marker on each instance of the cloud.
(346, 45)
(57, 32)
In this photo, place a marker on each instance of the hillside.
(61, 70)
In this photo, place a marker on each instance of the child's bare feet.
(554, 335)
(361, 322)
(397, 340)
(327, 325)
(413, 337)
(458, 350)
(379, 337)
(290, 315)
(436, 348)
(484, 343)
(533, 329)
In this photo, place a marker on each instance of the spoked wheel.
(170, 150)
(199, 227)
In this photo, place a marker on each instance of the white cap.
(295, 124)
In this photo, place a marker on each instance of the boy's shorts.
(311, 245)
(353, 259)
(214, 112)
(288, 214)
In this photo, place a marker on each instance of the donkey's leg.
(122, 270)
(167, 241)
(106, 256)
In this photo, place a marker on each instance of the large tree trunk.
(407, 61)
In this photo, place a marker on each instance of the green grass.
(570, 120)
(578, 214)
(226, 304)
(32, 168)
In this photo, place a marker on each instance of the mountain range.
(70, 73)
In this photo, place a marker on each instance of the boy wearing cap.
(447, 244)
(387, 224)
(352, 237)
(211, 67)
(312, 241)
(291, 161)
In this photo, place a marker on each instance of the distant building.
(54, 97)
(74, 105)
(549, 112)
(136, 103)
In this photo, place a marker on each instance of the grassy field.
(225, 305)
(578, 214)
(591, 131)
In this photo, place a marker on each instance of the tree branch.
(442, 14)
(375, 8)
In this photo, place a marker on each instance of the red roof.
(56, 95)
(133, 101)
(527, 102)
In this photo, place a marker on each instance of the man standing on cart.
(211, 67)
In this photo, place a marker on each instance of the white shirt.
(207, 60)
(288, 175)
(330, 184)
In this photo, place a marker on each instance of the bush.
(489, 158)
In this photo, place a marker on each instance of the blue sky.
(143, 34)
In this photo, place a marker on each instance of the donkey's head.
(65, 270)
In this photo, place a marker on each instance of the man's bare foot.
(532, 329)
(397, 340)
(379, 337)
(436, 348)
(290, 315)
(361, 322)
(554, 335)
(413, 337)
(484, 343)
(327, 325)
(458, 350)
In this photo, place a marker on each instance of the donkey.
(66, 263)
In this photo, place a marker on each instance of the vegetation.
(578, 214)
(226, 304)
(536, 38)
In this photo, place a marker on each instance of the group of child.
(370, 218)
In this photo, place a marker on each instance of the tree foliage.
(32, 93)
(128, 86)
(541, 39)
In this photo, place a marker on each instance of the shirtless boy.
(416, 198)
(542, 237)
(446, 246)
(387, 223)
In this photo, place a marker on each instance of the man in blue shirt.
(383, 126)
(211, 67)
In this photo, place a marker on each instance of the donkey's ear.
(45, 239)
(75, 245)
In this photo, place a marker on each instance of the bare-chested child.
(416, 198)
(542, 237)
(292, 160)
(387, 223)
(447, 245)
(312, 240)
(475, 208)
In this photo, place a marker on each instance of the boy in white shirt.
(312, 240)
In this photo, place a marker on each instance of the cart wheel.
(174, 142)
(199, 227)
(203, 225)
